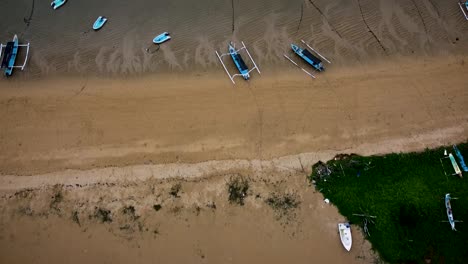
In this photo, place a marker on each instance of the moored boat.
(239, 62)
(308, 57)
(57, 3)
(449, 211)
(163, 37)
(345, 235)
(100, 21)
(9, 57)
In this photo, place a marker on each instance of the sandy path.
(52, 125)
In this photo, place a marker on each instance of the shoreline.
(298, 163)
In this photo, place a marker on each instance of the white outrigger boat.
(464, 8)
(8, 55)
(345, 235)
(449, 211)
(57, 3)
(244, 71)
(100, 21)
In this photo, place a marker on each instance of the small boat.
(308, 57)
(100, 21)
(240, 64)
(57, 3)
(163, 37)
(244, 71)
(460, 158)
(455, 166)
(449, 211)
(9, 57)
(345, 235)
(464, 8)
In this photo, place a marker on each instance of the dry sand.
(97, 122)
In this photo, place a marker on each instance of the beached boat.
(455, 166)
(8, 54)
(100, 21)
(239, 62)
(464, 8)
(57, 3)
(308, 57)
(244, 71)
(163, 37)
(345, 235)
(460, 158)
(449, 211)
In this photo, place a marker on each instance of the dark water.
(62, 41)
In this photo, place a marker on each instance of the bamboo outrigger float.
(8, 54)
(244, 71)
(464, 8)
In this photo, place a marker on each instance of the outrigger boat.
(163, 37)
(449, 211)
(308, 57)
(240, 64)
(8, 54)
(244, 71)
(100, 21)
(57, 3)
(455, 166)
(464, 8)
(345, 235)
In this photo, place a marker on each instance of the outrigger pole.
(463, 10)
(293, 62)
(231, 77)
(316, 52)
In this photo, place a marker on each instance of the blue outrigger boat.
(240, 64)
(308, 57)
(243, 69)
(464, 8)
(8, 54)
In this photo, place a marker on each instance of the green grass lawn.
(405, 192)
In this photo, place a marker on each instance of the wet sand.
(103, 123)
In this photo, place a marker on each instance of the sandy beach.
(96, 123)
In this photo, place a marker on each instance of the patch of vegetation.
(283, 203)
(57, 198)
(103, 215)
(237, 188)
(212, 205)
(76, 218)
(130, 212)
(157, 207)
(175, 189)
(405, 192)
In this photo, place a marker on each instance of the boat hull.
(308, 57)
(239, 62)
(12, 57)
(100, 21)
(161, 38)
(345, 235)
(449, 211)
(57, 3)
